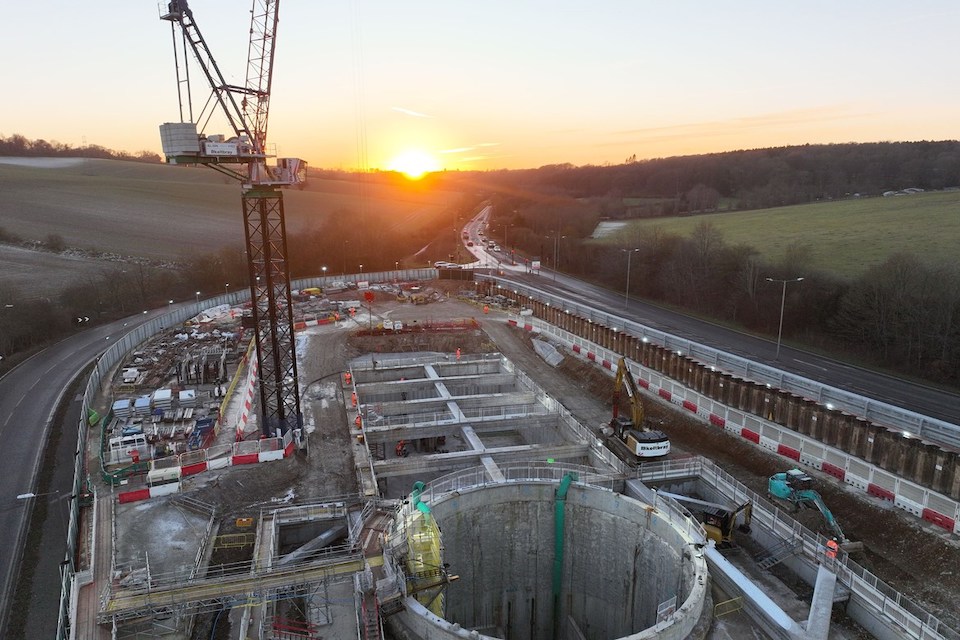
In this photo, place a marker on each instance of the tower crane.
(243, 156)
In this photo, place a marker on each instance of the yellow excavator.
(719, 521)
(640, 439)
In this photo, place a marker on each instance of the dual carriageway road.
(30, 394)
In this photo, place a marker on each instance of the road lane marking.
(810, 364)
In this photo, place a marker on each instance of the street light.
(227, 288)
(198, 301)
(323, 270)
(556, 255)
(626, 292)
(783, 300)
(361, 269)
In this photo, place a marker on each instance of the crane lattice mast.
(246, 109)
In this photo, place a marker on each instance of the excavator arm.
(812, 497)
(636, 404)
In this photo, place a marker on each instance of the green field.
(844, 237)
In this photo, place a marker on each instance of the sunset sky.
(501, 84)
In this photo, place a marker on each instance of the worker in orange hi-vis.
(832, 548)
(458, 354)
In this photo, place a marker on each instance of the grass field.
(844, 237)
(162, 212)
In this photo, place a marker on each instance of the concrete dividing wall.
(873, 604)
(883, 463)
(621, 561)
(889, 437)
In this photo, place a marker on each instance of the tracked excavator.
(719, 521)
(796, 487)
(633, 430)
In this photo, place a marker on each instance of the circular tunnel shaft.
(619, 562)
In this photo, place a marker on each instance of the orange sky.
(503, 84)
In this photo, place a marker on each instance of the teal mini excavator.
(796, 487)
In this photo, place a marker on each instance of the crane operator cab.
(719, 524)
(798, 480)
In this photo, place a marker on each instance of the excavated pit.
(622, 563)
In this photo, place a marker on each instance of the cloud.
(410, 112)
(457, 150)
(775, 121)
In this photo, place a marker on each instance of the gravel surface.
(912, 556)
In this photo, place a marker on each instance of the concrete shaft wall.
(621, 560)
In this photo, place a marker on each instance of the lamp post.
(323, 270)
(626, 291)
(198, 301)
(783, 300)
(226, 288)
(556, 255)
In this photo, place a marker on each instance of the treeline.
(28, 322)
(344, 241)
(19, 146)
(903, 314)
(751, 179)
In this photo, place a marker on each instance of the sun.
(414, 163)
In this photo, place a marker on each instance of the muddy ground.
(913, 557)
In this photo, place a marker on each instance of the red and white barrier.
(196, 462)
(913, 498)
(249, 392)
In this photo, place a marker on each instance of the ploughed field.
(110, 212)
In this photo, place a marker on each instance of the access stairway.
(780, 552)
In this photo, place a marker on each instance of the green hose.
(420, 505)
(558, 530)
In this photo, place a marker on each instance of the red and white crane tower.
(243, 156)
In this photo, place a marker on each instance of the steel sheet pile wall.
(909, 458)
